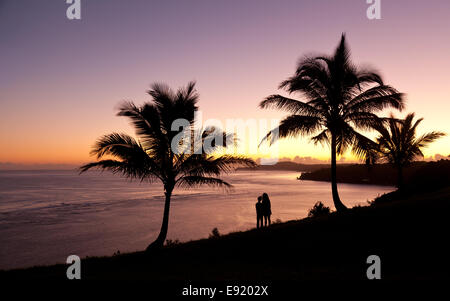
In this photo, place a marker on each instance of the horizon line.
(12, 166)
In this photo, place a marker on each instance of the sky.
(61, 80)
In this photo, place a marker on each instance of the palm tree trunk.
(336, 200)
(159, 242)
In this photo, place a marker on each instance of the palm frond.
(185, 104)
(210, 165)
(196, 181)
(397, 142)
(310, 79)
(294, 125)
(368, 76)
(364, 120)
(376, 99)
(127, 169)
(117, 144)
(364, 148)
(162, 95)
(321, 138)
(291, 105)
(428, 138)
(214, 139)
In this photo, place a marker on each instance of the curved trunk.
(159, 242)
(336, 200)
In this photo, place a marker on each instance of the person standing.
(267, 210)
(259, 213)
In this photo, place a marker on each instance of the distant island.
(379, 174)
(290, 166)
(418, 173)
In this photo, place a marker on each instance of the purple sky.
(62, 79)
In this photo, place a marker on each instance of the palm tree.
(161, 153)
(398, 144)
(339, 98)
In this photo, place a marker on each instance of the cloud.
(308, 160)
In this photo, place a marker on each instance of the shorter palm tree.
(177, 158)
(398, 144)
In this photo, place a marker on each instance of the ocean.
(46, 216)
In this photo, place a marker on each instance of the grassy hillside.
(409, 233)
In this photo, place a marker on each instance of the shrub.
(214, 233)
(170, 242)
(319, 209)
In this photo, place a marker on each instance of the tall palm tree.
(160, 154)
(398, 144)
(339, 98)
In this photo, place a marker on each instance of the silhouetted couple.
(263, 210)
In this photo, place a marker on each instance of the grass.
(408, 233)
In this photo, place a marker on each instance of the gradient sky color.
(61, 80)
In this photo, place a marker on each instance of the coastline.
(329, 247)
(62, 213)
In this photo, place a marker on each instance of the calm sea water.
(47, 215)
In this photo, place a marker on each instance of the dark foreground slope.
(409, 234)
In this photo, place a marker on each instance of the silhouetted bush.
(214, 233)
(170, 242)
(319, 209)
(386, 197)
(372, 202)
